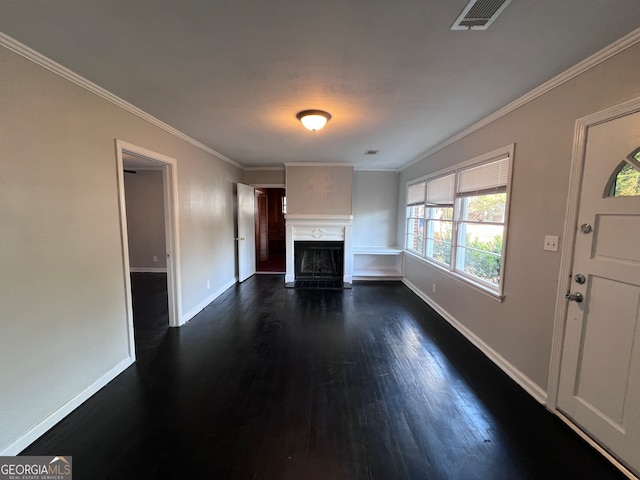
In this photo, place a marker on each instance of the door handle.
(574, 297)
(240, 238)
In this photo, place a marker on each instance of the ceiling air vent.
(479, 14)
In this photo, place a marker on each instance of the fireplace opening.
(318, 260)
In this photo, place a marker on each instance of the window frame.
(417, 218)
(430, 219)
(454, 269)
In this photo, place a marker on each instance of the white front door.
(600, 372)
(246, 232)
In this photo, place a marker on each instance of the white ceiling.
(233, 74)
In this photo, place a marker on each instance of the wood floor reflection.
(276, 383)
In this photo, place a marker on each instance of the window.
(415, 218)
(439, 216)
(625, 181)
(457, 219)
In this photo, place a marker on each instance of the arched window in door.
(625, 181)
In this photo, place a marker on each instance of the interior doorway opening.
(270, 206)
(144, 203)
(147, 184)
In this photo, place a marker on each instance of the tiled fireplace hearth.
(318, 229)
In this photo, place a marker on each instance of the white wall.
(520, 329)
(62, 301)
(264, 177)
(375, 197)
(145, 219)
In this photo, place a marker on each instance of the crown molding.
(317, 164)
(300, 164)
(596, 59)
(23, 50)
(365, 169)
(262, 169)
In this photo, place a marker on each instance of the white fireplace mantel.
(319, 228)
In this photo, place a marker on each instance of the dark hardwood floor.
(274, 264)
(276, 383)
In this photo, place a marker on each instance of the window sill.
(456, 276)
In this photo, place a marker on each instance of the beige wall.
(145, 219)
(62, 301)
(375, 197)
(315, 190)
(520, 329)
(264, 177)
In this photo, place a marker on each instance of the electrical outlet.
(208, 284)
(551, 243)
(155, 258)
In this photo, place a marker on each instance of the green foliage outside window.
(482, 258)
(442, 246)
(627, 182)
(486, 208)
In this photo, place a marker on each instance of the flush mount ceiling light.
(313, 119)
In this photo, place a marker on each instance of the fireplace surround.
(318, 229)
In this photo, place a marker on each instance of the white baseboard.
(516, 375)
(202, 305)
(147, 270)
(43, 426)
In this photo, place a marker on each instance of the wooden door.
(262, 227)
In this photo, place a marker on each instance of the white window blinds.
(415, 194)
(440, 191)
(484, 179)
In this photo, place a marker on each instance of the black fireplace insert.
(318, 260)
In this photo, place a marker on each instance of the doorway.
(598, 362)
(245, 216)
(270, 207)
(147, 184)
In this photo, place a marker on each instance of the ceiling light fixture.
(313, 119)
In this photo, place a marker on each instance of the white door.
(600, 373)
(246, 232)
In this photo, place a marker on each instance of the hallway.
(276, 383)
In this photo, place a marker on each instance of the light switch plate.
(551, 243)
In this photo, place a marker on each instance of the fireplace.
(328, 241)
(318, 260)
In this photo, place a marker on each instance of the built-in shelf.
(381, 263)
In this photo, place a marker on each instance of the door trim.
(170, 179)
